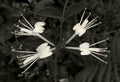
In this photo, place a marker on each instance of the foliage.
(70, 65)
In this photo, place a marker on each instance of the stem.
(73, 48)
(70, 38)
(40, 36)
(66, 2)
(27, 52)
(61, 38)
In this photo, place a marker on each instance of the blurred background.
(71, 66)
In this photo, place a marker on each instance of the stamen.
(27, 21)
(40, 36)
(90, 24)
(27, 63)
(99, 58)
(99, 42)
(92, 20)
(82, 16)
(30, 65)
(88, 15)
(70, 38)
(103, 50)
(93, 25)
(22, 60)
(17, 26)
(73, 48)
(25, 25)
(99, 54)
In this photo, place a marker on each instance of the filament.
(99, 54)
(30, 65)
(99, 58)
(99, 42)
(82, 16)
(27, 21)
(25, 25)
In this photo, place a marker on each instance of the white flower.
(32, 31)
(43, 51)
(87, 49)
(81, 27)
(38, 28)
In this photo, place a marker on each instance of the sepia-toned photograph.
(59, 40)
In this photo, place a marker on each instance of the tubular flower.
(43, 51)
(81, 27)
(87, 49)
(32, 31)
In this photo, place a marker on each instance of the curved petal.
(76, 26)
(39, 27)
(41, 47)
(85, 52)
(84, 46)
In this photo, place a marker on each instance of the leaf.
(42, 4)
(75, 9)
(49, 12)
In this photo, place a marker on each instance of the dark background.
(70, 64)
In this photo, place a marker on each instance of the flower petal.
(39, 24)
(84, 46)
(41, 47)
(25, 30)
(76, 26)
(85, 52)
(84, 23)
(45, 55)
(39, 27)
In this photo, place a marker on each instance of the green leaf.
(75, 9)
(49, 12)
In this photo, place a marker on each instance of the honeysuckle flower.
(42, 51)
(81, 27)
(87, 49)
(32, 31)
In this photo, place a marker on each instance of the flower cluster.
(44, 50)
(85, 48)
